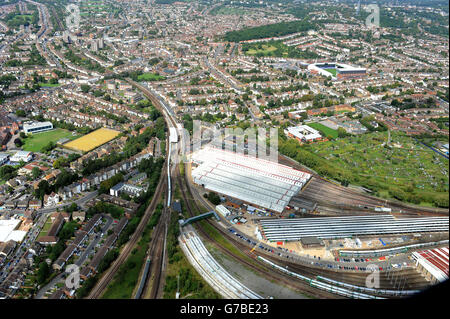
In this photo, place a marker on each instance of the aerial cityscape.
(217, 149)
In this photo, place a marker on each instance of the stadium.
(337, 71)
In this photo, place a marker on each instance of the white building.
(433, 264)
(8, 230)
(173, 136)
(129, 189)
(303, 133)
(223, 210)
(36, 127)
(22, 156)
(3, 158)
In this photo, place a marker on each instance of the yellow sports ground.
(92, 140)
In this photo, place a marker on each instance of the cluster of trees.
(268, 31)
(16, 19)
(213, 198)
(253, 78)
(35, 59)
(366, 121)
(188, 123)
(65, 178)
(7, 79)
(65, 161)
(105, 208)
(173, 232)
(195, 92)
(408, 103)
(106, 185)
(189, 283)
(83, 62)
(133, 146)
(43, 272)
(210, 118)
(7, 172)
(409, 194)
(92, 166)
(153, 170)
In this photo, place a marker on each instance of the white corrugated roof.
(257, 181)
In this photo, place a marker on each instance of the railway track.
(154, 280)
(412, 280)
(327, 194)
(101, 285)
(353, 199)
(262, 269)
(153, 277)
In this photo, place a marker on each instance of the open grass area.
(276, 49)
(332, 71)
(45, 228)
(92, 140)
(222, 10)
(192, 285)
(48, 85)
(405, 169)
(324, 130)
(128, 276)
(150, 77)
(265, 50)
(37, 141)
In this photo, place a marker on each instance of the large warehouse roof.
(8, 230)
(257, 181)
(435, 261)
(340, 227)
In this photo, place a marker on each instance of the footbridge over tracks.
(198, 217)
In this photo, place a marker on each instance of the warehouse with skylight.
(256, 181)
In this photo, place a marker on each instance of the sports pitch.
(92, 140)
(35, 142)
(332, 71)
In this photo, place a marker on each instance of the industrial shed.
(310, 242)
(259, 182)
(341, 227)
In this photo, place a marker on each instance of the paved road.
(79, 261)
(80, 202)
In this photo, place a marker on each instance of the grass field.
(324, 130)
(265, 50)
(92, 140)
(276, 49)
(37, 141)
(332, 71)
(45, 228)
(150, 77)
(48, 85)
(405, 169)
(228, 11)
(125, 280)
